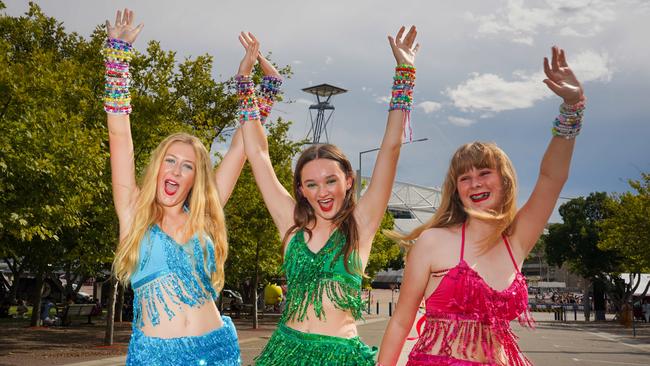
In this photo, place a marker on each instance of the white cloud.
(492, 93)
(429, 106)
(304, 101)
(520, 22)
(329, 60)
(460, 121)
(384, 99)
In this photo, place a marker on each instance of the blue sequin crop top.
(170, 275)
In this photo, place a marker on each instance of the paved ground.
(574, 343)
(571, 344)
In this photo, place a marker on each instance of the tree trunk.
(255, 279)
(119, 306)
(17, 272)
(110, 312)
(586, 303)
(36, 300)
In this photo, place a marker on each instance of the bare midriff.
(188, 321)
(336, 322)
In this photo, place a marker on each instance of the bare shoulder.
(441, 246)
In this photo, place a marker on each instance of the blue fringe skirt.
(218, 347)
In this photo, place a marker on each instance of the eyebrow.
(328, 177)
(182, 160)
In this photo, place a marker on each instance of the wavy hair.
(303, 213)
(451, 212)
(206, 217)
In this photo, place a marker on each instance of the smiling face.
(176, 174)
(481, 189)
(324, 185)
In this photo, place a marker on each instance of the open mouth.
(479, 197)
(326, 205)
(171, 187)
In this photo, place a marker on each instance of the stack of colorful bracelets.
(269, 89)
(117, 54)
(248, 106)
(569, 122)
(402, 96)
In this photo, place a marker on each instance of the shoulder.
(440, 245)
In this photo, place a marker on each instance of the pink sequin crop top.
(465, 313)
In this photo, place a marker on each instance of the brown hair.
(303, 213)
(451, 212)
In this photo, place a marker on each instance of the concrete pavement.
(551, 343)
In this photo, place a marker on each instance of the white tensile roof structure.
(411, 204)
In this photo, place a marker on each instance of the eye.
(310, 185)
(463, 178)
(188, 167)
(485, 172)
(331, 181)
(170, 160)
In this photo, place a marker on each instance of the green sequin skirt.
(289, 347)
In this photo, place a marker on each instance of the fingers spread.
(547, 68)
(554, 62)
(118, 17)
(553, 86)
(562, 60)
(398, 38)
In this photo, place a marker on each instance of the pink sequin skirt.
(422, 359)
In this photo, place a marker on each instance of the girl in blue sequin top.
(172, 233)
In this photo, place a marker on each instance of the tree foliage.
(575, 241)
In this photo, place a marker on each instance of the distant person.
(46, 305)
(21, 308)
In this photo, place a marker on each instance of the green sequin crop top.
(310, 275)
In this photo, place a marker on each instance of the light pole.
(371, 150)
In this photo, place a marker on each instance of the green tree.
(384, 250)
(575, 241)
(627, 231)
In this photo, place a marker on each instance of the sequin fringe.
(310, 275)
(218, 347)
(289, 347)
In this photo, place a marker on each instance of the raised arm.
(278, 201)
(554, 170)
(372, 205)
(117, 100)
(230, 167)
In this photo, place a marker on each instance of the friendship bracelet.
(269, 89)
(248, 105)
(117, 55)
(402, 95)
(569, 122)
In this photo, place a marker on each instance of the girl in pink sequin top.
(465, 261)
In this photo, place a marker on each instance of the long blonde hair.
(451, 212)
(205, 212)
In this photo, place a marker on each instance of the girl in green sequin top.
(327, 235)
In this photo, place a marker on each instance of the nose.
(476, 183)
(176, 170)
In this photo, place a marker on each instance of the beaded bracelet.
(269, 89)
(248, 105)
(117, 55)
(569, 122)
(402, 95)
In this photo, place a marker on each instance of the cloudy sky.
(479, 72)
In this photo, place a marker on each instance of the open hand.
(123, 28)
(403, 49)
(561, 79)
(252, 47)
